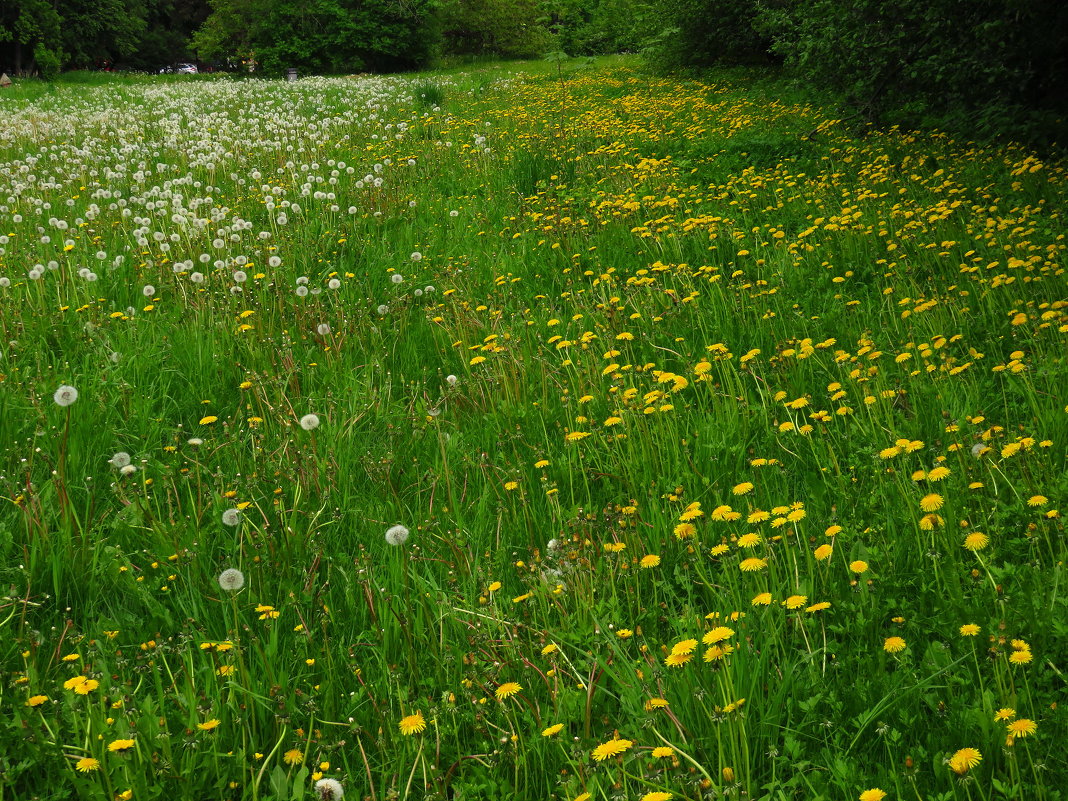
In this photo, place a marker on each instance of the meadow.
(562, 433)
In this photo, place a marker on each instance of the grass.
(731, 459)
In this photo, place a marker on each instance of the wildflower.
(87, 686)
(964, 760)
(684, 530)
(818, 607)
(120, 460)
(859, 566)
(294, 756)
(624, 634)
(87, 764)
(677, 659)
(209, 725)
(412, 724)
(823, 552)
(795, 601)
(207, 421)
(397, 535)
(874, 794)
(232, 579)
(1037, 500)
(555, 729)
(752, 564)
(976, 541)
(1021, 657)
(763, 599)
(893, 645)
(329, 790)
(120, 746)
(65, 395)
(73, 682)
(717, 634)
(36, 700)
(969, 630)
(656, 703)
(610, 749)
(743, 488)
(931, 502)
(1005, 713)
(650, 560)
(656, 795)
(507, 690)
(396, 278)
(1022, 727)
(231, 517)
(660, 752)
(309, 422)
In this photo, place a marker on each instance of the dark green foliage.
(700, 33)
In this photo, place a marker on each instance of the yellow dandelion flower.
(718, 634)
(964, 760)
(86, 687)
(36, 700)
(656, 703)
(412, 724)
(1005, 713)
(624, 634)
(575, 436)
(684, 530)
(874, 794)
(677, 660)
(931, 502)
(752, 564)
(819, 607)
(610, 749)
(207, 421)
(1020, 657)
(823, 552)
(294, 756)
(969, 630)
(1022, 727)
(763, 599)
(1037, 500)
(859, 566)
(893, 645)
(555, 729)
(549, 649)
(87, 764)
(684, 647)
(976, 541)
(743, 488)
(507, 690)
(649, 560)
(662, 751)
(795, 601)
(209, 725)
(656, 795)
(120, 746)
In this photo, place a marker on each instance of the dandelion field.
(574, 434)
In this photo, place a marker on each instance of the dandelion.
(717, 634)
(893, 645)
(931, 502)
(763, 599)
(1037, 500)
(823, 552)
(231, 579)
(323, 329)
(1022, 727)
(120, 460)
(329, 790)
(964, 760)
(795, 601)
(231, 517)
(744, 488)
(396, 278)
(412, 724)
(553, 730)
(294, 756)
(1005, 713)
(451, 380)
(309, 422)
(120, 746)
(1021, 657)
(976, 541)
(65, 395)
(417, 256)
(397, 535)
(874, 794)
(507, 690)
(36, 700)
(209, 725)
(752, 564)
(87, 765)
(858, 567)
(969, 630)
(648, 561)
(610, 749)
(656, 795)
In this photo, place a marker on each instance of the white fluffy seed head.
(120, 459)
(231, 517)
(396, 278)
(309, 422)
(329, 790)
(397, 535)
(232, 579)
(65, 395)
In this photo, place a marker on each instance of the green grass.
(690, 417)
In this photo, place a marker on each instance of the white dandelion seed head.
(383, 309)
(5, 281)
(274, 261)
(231, 517)
(148, 290)
(195, 441)
(430, 289)
(323, 329)
(231, 579)
(978, 448)
(454, 213)
(303, 280)
(301, 291)
(396, 278)
(397, 535)
(418, 293)
(329, 790)
(128, 469)
(196, 278)
(417, 256)
(309, 422)
(333, 283)
(240, 276)
(65, 395)
(552, 545)
(451, 380)
(114, 357)
(120, 459)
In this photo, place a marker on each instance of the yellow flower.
(818, 607)
(208, 725)
(650, 560)
(931, 502)
(556, 728)
(663, 751)
(976, 541)
(541, 463)
(874, 794)
(964, 760)
(655, 703)
(412, 724)
(894, 644)
(1022, 727)
(717, 634)
(823, 552)
(743, 488)
(624, 634)
(86, 687)
(575, 436)
(207, 421)
(1021, 657)
(684, 647)
(1037, 500)
(1005, 713)
(752, 564)
(73, 682)
(859, 566)
(507, 690)
(684, 530)
(763, 599)
(677, 660)
(549, 649)
(294, 756)
(610, 749)
(87, 764)
(795, 601)
(36, 700)
(656, 795)
(494, 586)
(969, 630)
(120, 746)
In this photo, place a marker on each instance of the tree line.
(954, 59)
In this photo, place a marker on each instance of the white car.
(186, 69)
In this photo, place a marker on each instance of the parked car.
(187, 69)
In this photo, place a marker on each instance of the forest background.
(987, 67)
